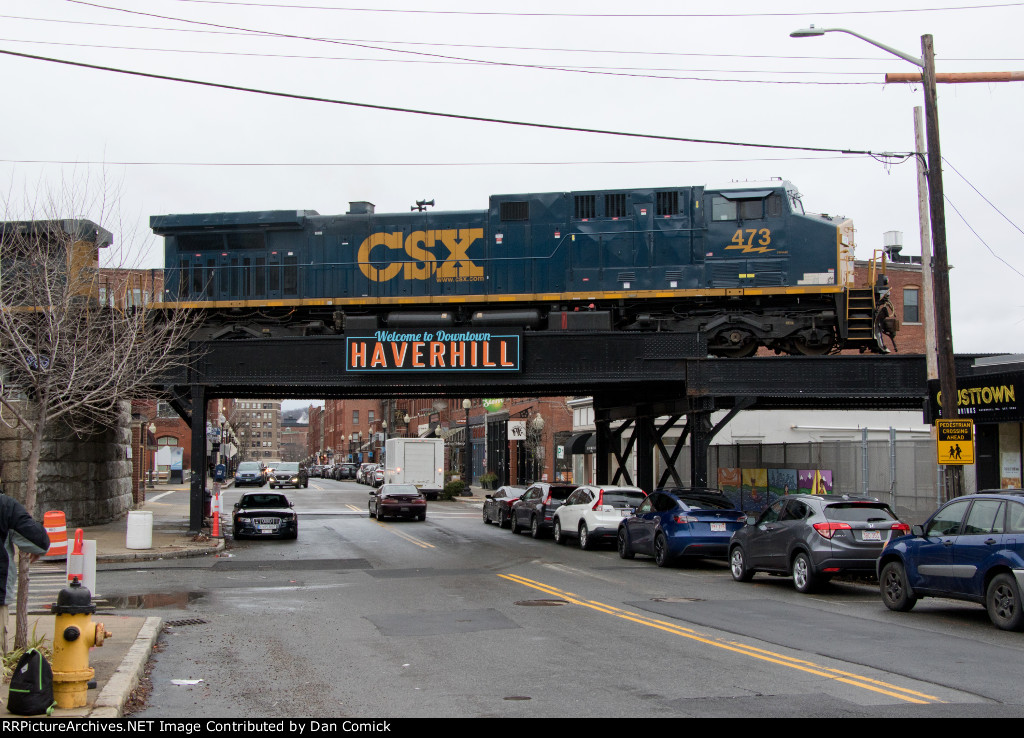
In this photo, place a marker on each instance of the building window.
(911, 305)
(370, 416)
(355, 417)
(167, 441)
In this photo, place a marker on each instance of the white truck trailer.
(418, 461)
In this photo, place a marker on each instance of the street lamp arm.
(812, 31)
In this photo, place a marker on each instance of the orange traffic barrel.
(57, 529)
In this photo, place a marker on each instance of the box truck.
(418, 461)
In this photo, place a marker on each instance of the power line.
(595, 15)
(983, 242)
(646, 52)
(411, 163)
(514, 65)
(1004, 215)
(452, 116)
(566, 67)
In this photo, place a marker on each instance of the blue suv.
(971, 548)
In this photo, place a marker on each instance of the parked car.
(814, 537)
(535, 509)
(401, 500)
(362, 472)
(289, 474)
(676, 522)
(971, 548)
(250, 473)
(347, 471)
(592, 513)
(264, 515)
(498, 506)
(376, 477)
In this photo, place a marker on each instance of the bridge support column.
(198, 488)
(645, 440)
(603, 442)
(699, 425)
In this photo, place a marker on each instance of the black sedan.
(498, 507)
(264, 515)
(401, 500)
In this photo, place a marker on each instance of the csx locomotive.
(744, 265)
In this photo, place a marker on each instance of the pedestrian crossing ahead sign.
(956, 441)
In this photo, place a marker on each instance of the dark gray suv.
(814, 537)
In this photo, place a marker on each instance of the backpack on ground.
(31, 686)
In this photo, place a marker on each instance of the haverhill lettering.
(399, 352)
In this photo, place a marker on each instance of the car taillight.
(600, 500)
(902, 528)
(547, 500)
(827, 530)
(685, 519)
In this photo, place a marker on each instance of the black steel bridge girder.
(642, 368)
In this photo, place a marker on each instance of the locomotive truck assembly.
(743, 264)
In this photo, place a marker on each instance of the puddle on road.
(177, 600)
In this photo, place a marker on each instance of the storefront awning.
(581, 443)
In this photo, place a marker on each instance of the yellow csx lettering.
(422, 261)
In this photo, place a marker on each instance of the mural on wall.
(755, 489)
(729, 480)
(752, 490)
(782, 482)
(815, 481)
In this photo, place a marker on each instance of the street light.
(937, 211)
(468, 452)
(152, 454)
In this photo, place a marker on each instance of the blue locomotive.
(743, 264)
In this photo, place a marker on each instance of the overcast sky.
(673, 69)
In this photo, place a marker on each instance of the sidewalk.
(121, 660)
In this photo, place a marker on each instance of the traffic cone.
(215, 525)
(76, 559)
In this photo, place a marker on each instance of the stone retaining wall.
(89, 479)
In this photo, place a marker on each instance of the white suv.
(593, 512)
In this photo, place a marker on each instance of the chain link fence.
(901, 472)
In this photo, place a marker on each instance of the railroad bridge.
(638, 377)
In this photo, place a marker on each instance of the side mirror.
(751, 520)
(918, 530)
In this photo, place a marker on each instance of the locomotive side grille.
(615, 205)
(586, 207)
(668, 203)
(515, 210)
(626, 277)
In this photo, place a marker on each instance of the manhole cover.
(185, 621)
(541, 603)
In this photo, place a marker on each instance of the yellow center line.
(353, 507)
(411, 539)
(809, 667)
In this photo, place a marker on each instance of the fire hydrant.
(74, 634)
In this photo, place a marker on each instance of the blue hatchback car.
(670, 523)
(971, 548)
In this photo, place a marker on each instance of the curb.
(112, 699)
(175, 552)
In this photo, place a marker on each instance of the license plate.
(626, 513)
(266, 528)
(405, 509)
(872, 535)
(718, 527)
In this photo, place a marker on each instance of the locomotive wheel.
(738, 352)
(811, 349)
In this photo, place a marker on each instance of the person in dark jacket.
(17, 528)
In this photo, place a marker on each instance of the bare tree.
(67, 359)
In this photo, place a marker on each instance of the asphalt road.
(451, 617)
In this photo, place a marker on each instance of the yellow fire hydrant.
(74, 634)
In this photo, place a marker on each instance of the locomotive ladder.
(862, 309)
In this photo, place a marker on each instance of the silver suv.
(814, 537)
